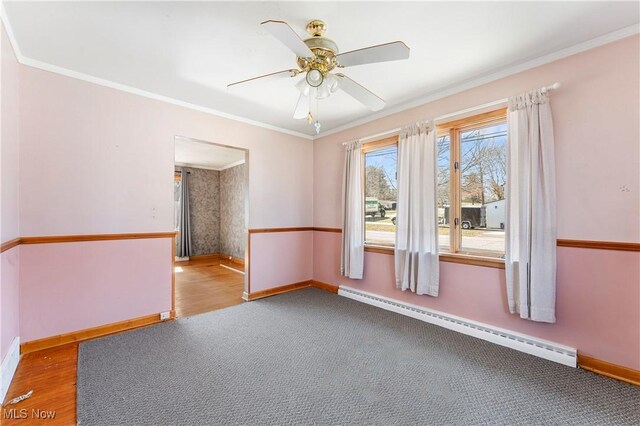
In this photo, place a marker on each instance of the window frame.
(366, 148)
(453, 129)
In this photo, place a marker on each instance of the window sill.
(379, 249)
(465, 259)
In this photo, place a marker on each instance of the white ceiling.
(194, 153)
(191, 51)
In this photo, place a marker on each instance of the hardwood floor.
(203, 285)
(51, 375)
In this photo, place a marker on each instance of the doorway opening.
(211, 205)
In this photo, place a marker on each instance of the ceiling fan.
(317, 56)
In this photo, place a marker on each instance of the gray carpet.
(310, 357)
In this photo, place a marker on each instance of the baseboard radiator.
(520, 342)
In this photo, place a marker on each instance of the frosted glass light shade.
(314, 78)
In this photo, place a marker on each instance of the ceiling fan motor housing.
(324, 49)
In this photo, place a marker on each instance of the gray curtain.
(184, 233)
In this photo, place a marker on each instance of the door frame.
(247, 245)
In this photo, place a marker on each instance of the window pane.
(444, 168)
(380, 195)
(482, 182)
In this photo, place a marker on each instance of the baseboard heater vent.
(520, 342)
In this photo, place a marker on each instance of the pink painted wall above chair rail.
(596, 115)
(9, 124)
(598, 296)
(100, 160)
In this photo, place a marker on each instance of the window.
(443, 143)
(471, 178)
(474, 206)
(380, 161)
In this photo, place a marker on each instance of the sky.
(387, 157)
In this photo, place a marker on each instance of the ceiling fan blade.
(394, 51)
(359, 93)
(278, 74)
(283, 32)
(302, 107)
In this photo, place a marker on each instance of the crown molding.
(438, 94)
(34, 63)
(488, 78)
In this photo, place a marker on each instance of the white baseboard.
(520, 342)
(8, 367)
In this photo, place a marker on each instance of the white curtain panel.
(416, 252)
(531, 210)
(352, 260)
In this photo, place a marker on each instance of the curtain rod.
(391, 132)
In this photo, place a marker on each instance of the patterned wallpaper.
(232, 232)
(204, 198)
(217, 211)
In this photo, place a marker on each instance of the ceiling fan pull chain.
(317, 123)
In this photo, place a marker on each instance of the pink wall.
(597, 121)
(600, 320)
(9, 76)
(66, 287)
(280, 258)
(596, 116)
(9, 218)
(97, 160)
(9, 298)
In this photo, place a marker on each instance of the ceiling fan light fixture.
(314, 78)
(317, 57)
(328, 86)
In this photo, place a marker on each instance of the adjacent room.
(319, 213)
(210, 210)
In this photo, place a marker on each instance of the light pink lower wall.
(598, 297)
(280, 258)
(66, 287)
(9, 298)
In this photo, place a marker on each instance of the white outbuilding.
(495, 214)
